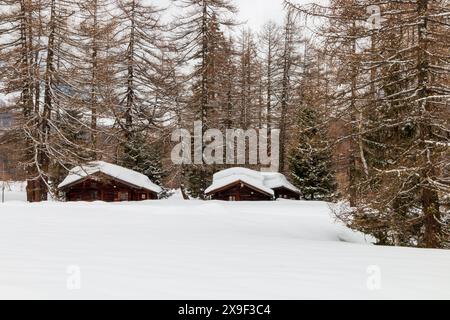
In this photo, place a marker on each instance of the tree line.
(389, 82)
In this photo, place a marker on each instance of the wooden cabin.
(240, 191)
(241, 184)
(101, 181)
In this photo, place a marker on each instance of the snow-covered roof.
(249, 180)
(275, 180)
(126, 175)
(264, 181)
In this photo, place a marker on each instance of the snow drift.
(178, 249)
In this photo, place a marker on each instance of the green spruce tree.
(311, 160)
(144, 157)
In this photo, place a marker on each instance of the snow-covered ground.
(175, 249)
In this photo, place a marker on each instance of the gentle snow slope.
(203, 250)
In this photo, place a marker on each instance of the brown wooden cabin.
(243, 184)
(99, 187)
(240, 191)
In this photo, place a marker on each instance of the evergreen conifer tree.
(144, 157)
(311, 161)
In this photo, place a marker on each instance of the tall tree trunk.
(354, 131)
(269, 88)
(94, 111)
(285, 90)
(26, 97)
(42, 157)
(130, 77)
(204, 94)
(430, 198)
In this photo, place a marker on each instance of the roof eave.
(113, 178)
(235, 183)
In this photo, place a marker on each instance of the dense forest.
(359, 90)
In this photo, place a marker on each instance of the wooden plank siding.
(240, 191)
(95, 188)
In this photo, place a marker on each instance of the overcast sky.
(255, 12)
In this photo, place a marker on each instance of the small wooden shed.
(241, 190)
(241, 184)
(281, 186)
(102, 181)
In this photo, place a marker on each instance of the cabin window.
(123, 196)
(143, 196)
(232, 198)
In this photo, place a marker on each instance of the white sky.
(254, 12)
(257, 12)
